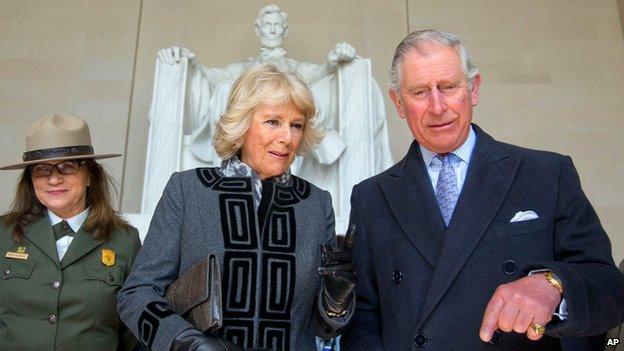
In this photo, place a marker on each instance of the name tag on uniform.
(20, 254)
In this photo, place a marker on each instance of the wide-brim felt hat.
(56, 138)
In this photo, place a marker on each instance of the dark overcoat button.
(397, 276)
(420, 340)
(56, 284)
(509, 267)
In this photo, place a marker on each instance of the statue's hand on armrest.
(173, 54)
(330, 147)
(342, 52)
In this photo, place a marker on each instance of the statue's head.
(271, 26)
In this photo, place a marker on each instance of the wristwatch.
(554, 281)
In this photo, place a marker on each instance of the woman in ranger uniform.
(65, 251)
(265, 225)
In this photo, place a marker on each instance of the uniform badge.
(108, 257)
(19, 254)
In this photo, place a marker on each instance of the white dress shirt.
(74, 222)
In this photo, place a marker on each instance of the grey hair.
(272, 8)
(420, 41)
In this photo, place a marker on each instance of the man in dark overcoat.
(469, 243)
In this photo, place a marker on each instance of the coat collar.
(410, 196)
(40, 234)
(82, 244)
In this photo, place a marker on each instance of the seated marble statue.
(350, 151)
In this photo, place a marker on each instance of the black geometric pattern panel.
(234, 184)
(280, 230)
(278, 286)
(239, 284)
(301, 188)
(148, 326)
(208, 176)
(239, 332)
(285, 196)
(259, 250)
(149, 321)
(274, 335)
(238, 222)
(211, 178)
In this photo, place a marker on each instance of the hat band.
(57, 152)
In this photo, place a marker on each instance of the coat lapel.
(409, 195)
(40, 234)
(490, 175)
(82, 244)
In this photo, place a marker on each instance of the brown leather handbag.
(196, 295)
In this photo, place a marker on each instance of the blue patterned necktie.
(446, 188)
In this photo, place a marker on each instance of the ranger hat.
(55, 138)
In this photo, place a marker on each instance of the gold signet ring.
(538, 328)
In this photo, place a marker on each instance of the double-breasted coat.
(68, 305)
(422, 286)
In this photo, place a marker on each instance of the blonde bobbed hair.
(263, 84)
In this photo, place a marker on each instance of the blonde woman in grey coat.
(265, 225)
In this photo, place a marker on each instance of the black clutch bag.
(196, 295)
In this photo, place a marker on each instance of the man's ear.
(398, 104)
(474, 92)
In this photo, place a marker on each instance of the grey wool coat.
(268, 257)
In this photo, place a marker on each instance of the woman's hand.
(338, 274)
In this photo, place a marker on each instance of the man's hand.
(173, 54)
(343, 52)
(516, 305)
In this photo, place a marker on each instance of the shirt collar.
(74, 222)
(464, 152)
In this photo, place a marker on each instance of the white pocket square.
(523, 216)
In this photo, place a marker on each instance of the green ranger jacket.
(68, 305)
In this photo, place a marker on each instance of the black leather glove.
(194, 340)
(338, 274)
